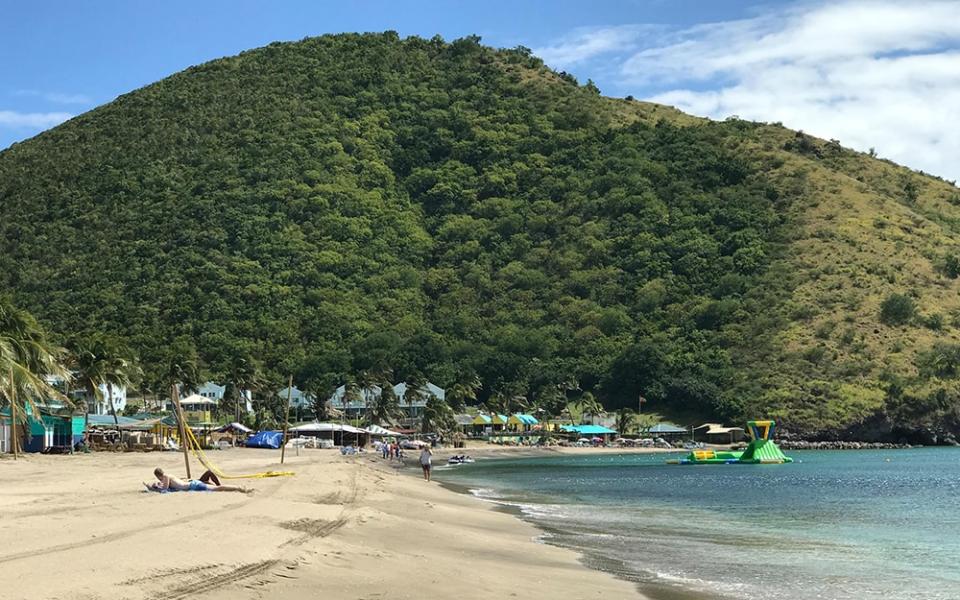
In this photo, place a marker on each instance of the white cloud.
(36, 120)
(56, 97)
(585, 43)
(871, 73)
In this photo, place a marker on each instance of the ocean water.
(833, 525)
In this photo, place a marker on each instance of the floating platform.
(761, 450)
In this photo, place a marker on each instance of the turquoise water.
(833, 525)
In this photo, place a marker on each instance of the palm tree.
(497, 403)
(549, 399)
(438, 417)
(102, 361)
(589, 405)
(89, 369)
(244, 377)
(463, 390)
(626, 421)
(645, 421)
(27, 361)
(351, 393)
(385, 408)
(122, 371)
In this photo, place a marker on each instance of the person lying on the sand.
(208, 482)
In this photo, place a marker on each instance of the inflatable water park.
(760, 451)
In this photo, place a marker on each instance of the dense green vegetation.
(360, 203)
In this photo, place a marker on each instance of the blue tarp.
(265, 439)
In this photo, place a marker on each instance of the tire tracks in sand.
(311, 529)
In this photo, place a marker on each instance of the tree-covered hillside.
(355, 203)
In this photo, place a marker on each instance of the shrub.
(950, 266)
(935, 321)
(897, 309)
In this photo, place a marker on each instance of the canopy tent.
(237, 427)
(316, 427)
(381, 431)
(333, 431)
(198, 400)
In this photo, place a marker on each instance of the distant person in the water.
(208, 482)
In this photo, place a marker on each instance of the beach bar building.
(521, 422)
(589, 431)
(715, 433)
(667, 430)
(490, 423)
(197, 410)
(51, 430)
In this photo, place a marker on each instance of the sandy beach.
(80, 527)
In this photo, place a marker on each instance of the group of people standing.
(393, 451)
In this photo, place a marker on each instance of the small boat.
(459, 459)
(761, 450)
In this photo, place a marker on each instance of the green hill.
(360, 202)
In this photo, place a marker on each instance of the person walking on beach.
(426, 461)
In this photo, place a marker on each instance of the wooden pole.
(14, 442)
(175, 396)
(286, 421)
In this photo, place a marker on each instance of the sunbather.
(208, 482)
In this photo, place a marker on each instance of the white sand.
(79, 527)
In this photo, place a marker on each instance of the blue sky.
(872, 73)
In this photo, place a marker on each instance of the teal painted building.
(52, 429)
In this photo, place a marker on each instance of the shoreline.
(645, 589)
(80, 527)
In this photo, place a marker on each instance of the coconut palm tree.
(244, 377)
(99, 361)
(27, 361)
(589, 406)
(438, 417)
(122, 371)
(385, 408)
(462, 391)
(645, 421)
(89, 370)
(626, 421)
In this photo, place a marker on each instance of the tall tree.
(463, 391)
(28, 359)
(438, 417)
(85, 359)
(589, 406)
(626, 421)
(244, 377)
(122, 371)
(385, 407)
